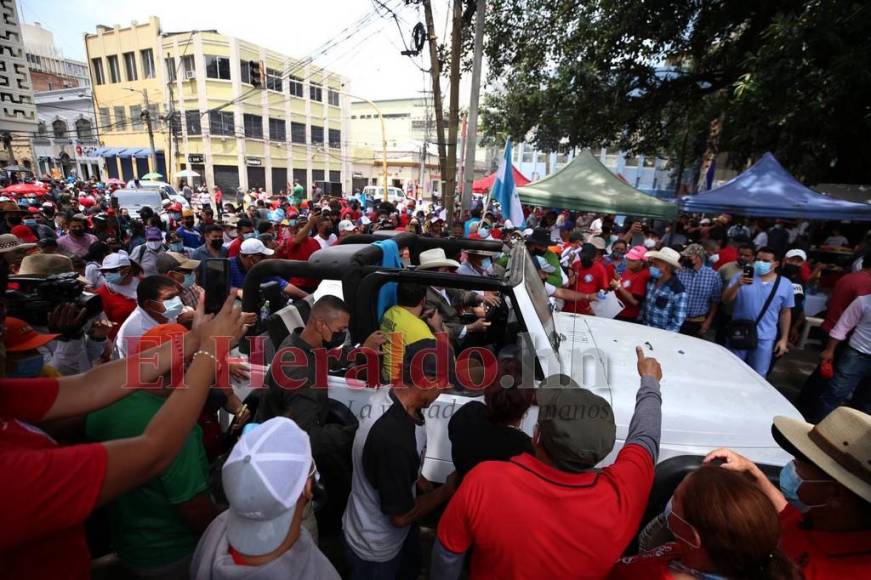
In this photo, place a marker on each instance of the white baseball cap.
(115, 261)
(347, 226)
(796, 253)
(254, 246)
(263, 478)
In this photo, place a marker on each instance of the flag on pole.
(505, 192)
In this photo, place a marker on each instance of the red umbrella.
(23, 188)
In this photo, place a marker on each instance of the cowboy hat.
(539, 236)
(436, 258)
(667, 255)
(10, 242)
(840, 445)
(45, 265)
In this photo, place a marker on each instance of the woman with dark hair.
(490, 431)
(724, 527)
(93, 261)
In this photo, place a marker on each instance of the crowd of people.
(117, 408)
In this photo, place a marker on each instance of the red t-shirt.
(301, 251)
(233, 248)
(116, 307)
(525, 519)
(652, 565)
(824, 554)
(846, 290)
(727, 254)
(636, 284)
(49, 490)
(589, 281)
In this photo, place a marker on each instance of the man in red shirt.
(590, 277)
(632, 285)
(299, 246)
(552, 514)
(846, 290)
(244, 231)
(50, 489)
(824, 500)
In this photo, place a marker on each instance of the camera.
(36, 298)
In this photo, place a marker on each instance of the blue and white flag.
(505, 191)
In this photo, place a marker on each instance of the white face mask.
(153, 245)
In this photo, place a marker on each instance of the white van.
(394, 194)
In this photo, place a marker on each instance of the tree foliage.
(649, 76)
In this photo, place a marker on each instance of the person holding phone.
(750, 292)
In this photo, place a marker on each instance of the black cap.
(420, 363)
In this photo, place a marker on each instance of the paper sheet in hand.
(609, 307)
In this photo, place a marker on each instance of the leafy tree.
(649, 77)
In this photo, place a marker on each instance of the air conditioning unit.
(190, 75)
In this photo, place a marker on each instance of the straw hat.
(10, 242)
(667, 255)
(436, 258)
(840, 445)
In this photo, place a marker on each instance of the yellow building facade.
(208, 117)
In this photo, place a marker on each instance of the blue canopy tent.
(768, 190)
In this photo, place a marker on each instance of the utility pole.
(472, 130)
(147, 115)
(454, 112)
(435, 73)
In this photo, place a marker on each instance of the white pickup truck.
(710, 397)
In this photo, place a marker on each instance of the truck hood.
(710, 397)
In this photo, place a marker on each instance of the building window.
(154, 114)
(253, 126)
(59, 129)
(120, 118)
(295, 86)
(245, 72)
(188, 66)
(103, 120)
(335, 138)
(217, 67)
(297, 132)
(316, 92)
(630, 161)
(317, 134)
(221, 123)
(136, 117)
(114, 70)
(170, 68)
(273, 80)
(130, 66)
(83, 129)
(333, 97)
(193, 123)
(277, 131)
(527, 155)
(650, 161)
(41, 129)
(97, 65)
(147, 63)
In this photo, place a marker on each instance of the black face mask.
(216, 244)
(336, 340)
(791, 271)
(189, 223)
(586, 261)
(77, 233)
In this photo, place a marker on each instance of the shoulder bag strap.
(768, 301)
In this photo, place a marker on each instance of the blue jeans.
(850, 370)
(758, 358)
(404, 566)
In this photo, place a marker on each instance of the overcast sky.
(370, 58)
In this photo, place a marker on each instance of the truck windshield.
(528, 275)
(138, 199)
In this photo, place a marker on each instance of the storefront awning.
(107, 151)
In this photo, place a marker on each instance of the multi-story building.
(49, 70)
(232, 133)
(18, 112)
(412, 151)
(66, 142)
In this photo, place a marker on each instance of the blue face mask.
(655, 272)
(28, 367)
(669, 513)
(248, 236)
(791, 481)
(761, 268)
(172, 308)
(113, 277)
(176, 247)
(189, 280)
(30, 222)
(486, 263)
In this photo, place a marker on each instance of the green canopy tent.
(587, 185)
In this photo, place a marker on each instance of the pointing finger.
(640, 353)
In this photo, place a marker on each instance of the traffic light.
(254, 73)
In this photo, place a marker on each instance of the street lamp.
(383, 137)
(146, 114)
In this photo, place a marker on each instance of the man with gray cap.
(268, 480)
(553, 514)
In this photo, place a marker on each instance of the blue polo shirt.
(190, 238)
(752, 297)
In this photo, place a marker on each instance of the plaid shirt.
(703, 289)
(665, 306)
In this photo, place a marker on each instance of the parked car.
(729, 405)
(134, 200)
(394, 194)
(165, 190)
